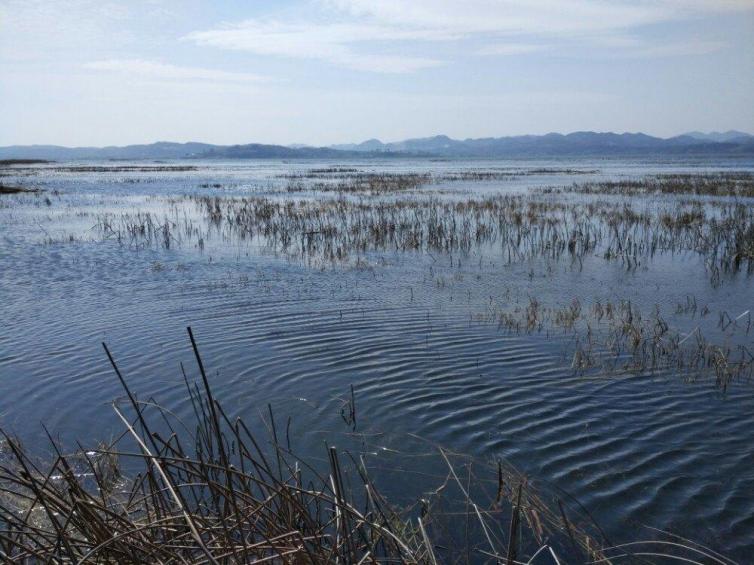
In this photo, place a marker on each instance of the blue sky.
(84, 72)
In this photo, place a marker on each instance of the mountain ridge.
(579, 143)
(718, 136)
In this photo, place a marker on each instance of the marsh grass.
(11, 189)
(369, 183)
(351, 180)
(16, 162)
(521, 228)
(214, 491)
(615, 337)
(518, 229)
(124, 168)
(732, 183)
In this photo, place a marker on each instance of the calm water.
(407, 329)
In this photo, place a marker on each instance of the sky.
(96, 72)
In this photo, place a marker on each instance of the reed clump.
(614, 336)
(516, 227)
(359, 182)
(521, 228)
(124, 168)
(214, 491)
(15, 162)
(353, 180)
(733, 183)
(11, 189)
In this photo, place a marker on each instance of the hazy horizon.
(322, 72)
(357, 141)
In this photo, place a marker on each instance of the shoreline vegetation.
(9, 189)
(12, 162)
(734, 183)
(214, 491)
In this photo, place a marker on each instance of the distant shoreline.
(577, 144)
(9, 162)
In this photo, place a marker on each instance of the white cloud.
(332, 42)
(503, 16)
(363, 34)
(678, 49)
(511, 49)
(164, 71)
(35, 29)
(530, 16)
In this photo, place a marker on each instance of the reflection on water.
(416, 330)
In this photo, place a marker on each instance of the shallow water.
(407, 329)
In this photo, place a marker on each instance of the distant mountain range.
(550, 145)
(720, 137)
(584, 143)
(168, 150)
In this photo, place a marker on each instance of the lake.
(554, 314)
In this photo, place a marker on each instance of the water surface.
(410, 330)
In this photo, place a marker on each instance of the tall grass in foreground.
(216, 492)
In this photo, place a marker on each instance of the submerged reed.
(732, 183)
(214, 491)
(615, 337)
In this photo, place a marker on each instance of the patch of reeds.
(217, 491)
(732, 183)
(361, 182)
(616, 337)
(351, 180)
(10, 189)
(123, 168)
(145, 229)
(14, 162)
(522, 228)
(517, 227)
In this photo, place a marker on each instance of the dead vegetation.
(214, 491)
(615, 337)
(352, 180)
(521, 228)
(733, 183)
(8, 189)
(14, 162)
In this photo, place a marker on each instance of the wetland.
(562, 349)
